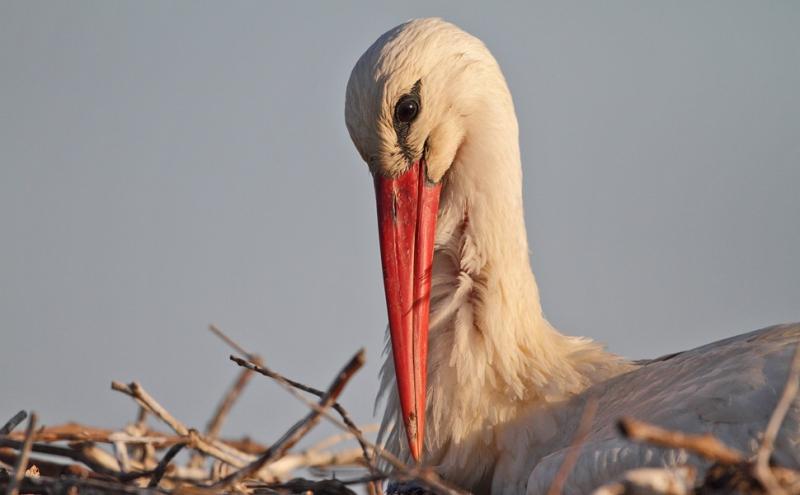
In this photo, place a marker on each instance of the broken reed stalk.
(299, 429)
(705, 445)
(22, 461)
(585, 424)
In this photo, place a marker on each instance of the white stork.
(479, 385)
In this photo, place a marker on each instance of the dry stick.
(159, 471)
(223, 408)
(333, 440)
(260, 368)
(299, 429)
(372, 487)
(425, 476)
(705, 445)
(47, 467)
(213, 448)
(22, 461)
(225, 405)
(144, 399)
(121, 453)
(55, 450)
(351, 426)
(141, 417)
(230, 342)
(585, 424)
(13, 422)
(101, 457)
(762, 470)
(83, 433)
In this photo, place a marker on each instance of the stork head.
(409, 101)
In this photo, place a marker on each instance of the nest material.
(139, 459)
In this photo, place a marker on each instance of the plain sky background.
(165, 165)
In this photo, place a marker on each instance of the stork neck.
(485, 301)
(492, 354)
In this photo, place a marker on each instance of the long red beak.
(407, 209)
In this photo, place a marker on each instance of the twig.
(254, 363)
(263, 370)
(303, 426)
(762, 469)
(121, 453)
(327, 443)
(73, 454)
(230, 342)
(101, 457)
(351, 426)
(425, 476)
(13, 422)
(212, 447)
(159, 440)
(144, 399)
(226, 404)
(705, 445)
(47, 467)
(159, 471)
(585, 424)
(22, 461)
(141, 418)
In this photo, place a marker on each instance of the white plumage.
(505, 389)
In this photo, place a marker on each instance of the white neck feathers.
(492, 354)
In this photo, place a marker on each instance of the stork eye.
(406, 110)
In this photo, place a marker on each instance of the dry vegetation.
(141, 459)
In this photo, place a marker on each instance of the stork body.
(493, 399)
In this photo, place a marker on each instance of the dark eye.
(406, 110)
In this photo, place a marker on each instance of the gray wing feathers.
(728, 388)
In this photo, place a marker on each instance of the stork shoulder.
(728, 388)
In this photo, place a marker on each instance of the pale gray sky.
(164, 165)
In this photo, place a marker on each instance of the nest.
(139, 459)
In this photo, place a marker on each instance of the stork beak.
(407, 210)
